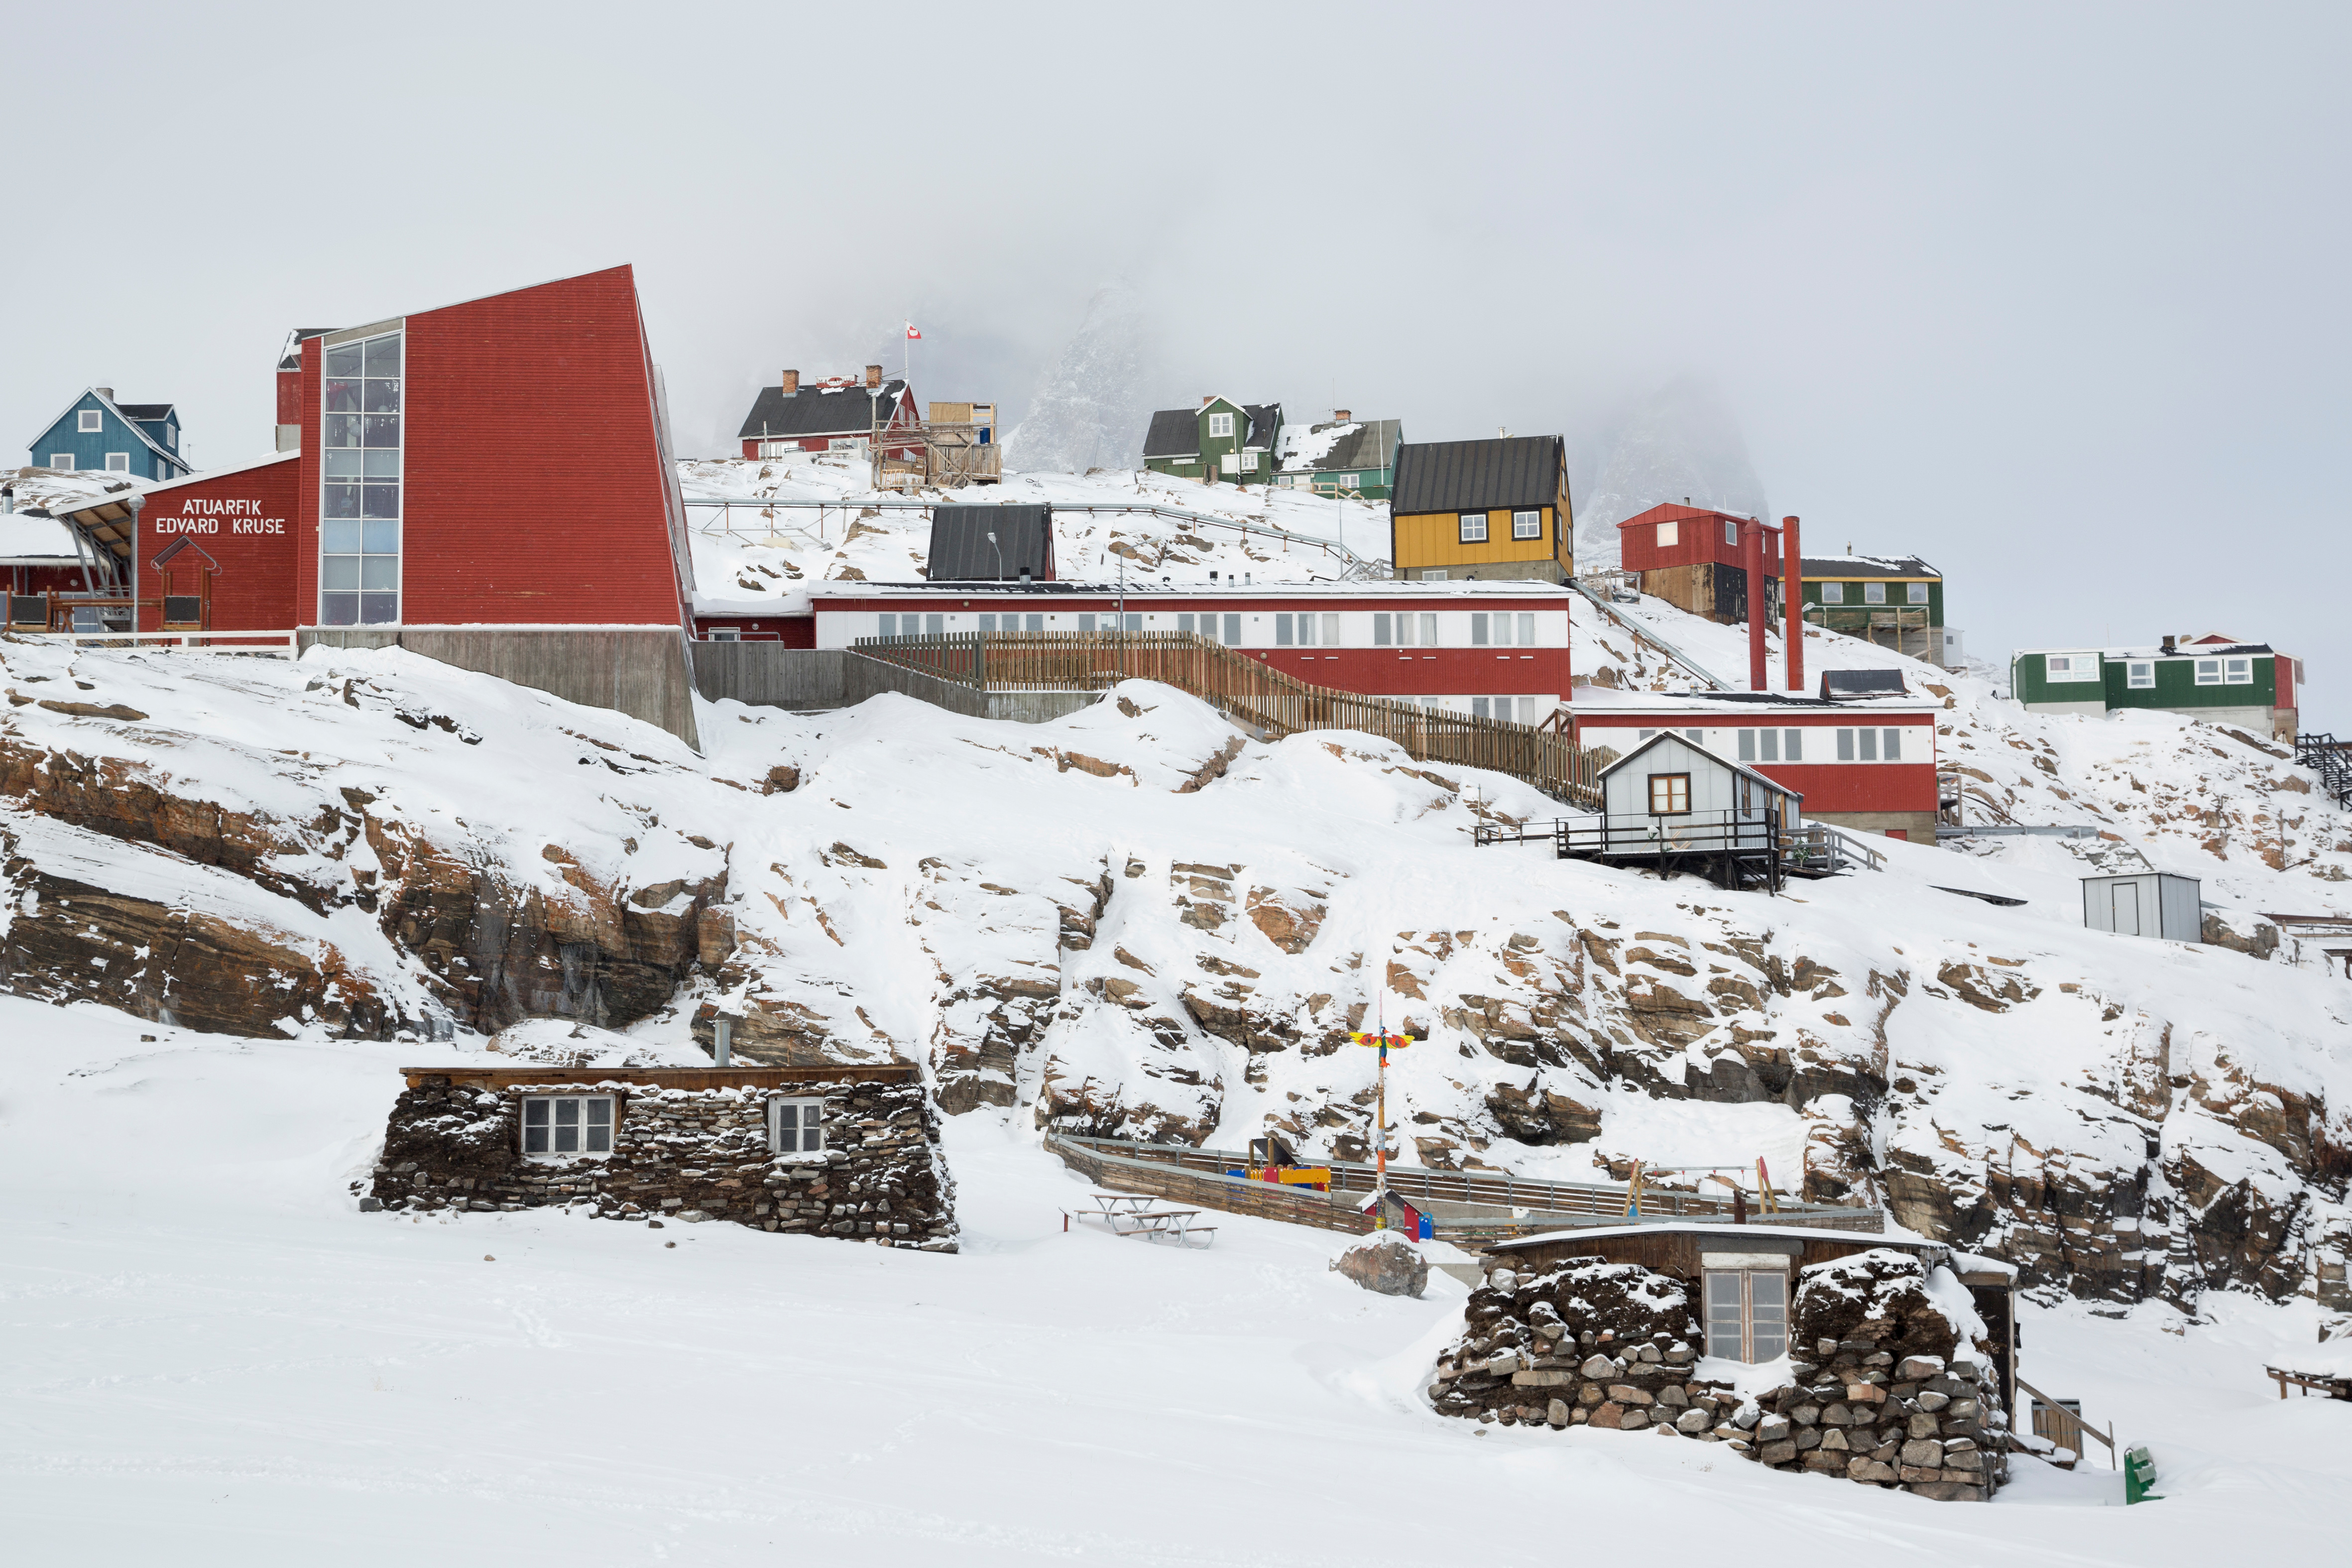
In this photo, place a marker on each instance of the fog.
(2050, 295)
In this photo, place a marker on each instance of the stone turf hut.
(1886, 1364)
(850, 1152)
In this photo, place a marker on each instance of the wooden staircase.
(2331, 759)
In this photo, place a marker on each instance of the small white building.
(2147, 903)
(1674, 805)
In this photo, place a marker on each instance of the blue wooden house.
(140, 440)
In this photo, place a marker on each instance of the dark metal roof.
(151, 412)
(1371, 445)
(1861, 566)
(961, 552)
(1478, 476)
(1265, 423)
(1863, 683)
(290, 356)
(819, 411)
(1174, 433)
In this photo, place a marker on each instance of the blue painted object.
(138, 440)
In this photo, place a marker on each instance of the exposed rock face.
(1385, 1265)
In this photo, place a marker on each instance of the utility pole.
(1381, 1039)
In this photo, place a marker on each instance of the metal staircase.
(2331, 759)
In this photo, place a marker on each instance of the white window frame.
(1845, 745)
(800, 1106)
(1670, 533)
(551, 1126)
(2238, 672)
(2139, 675)
(118, 462)
(1221, 426)
(1874, 593)
(1347, 482)
(1527, 525)
(1736, 1331)
(1792, 745)
(1330, 628)
(1249, 462)
(1472, 527)
(723, 634)
(89, 421)
(1432, 575)
(1917, 592)
(63, 462)
(2081, 669)
(1890, 746)
(1732, 533)
(1832, 593)
(2208, 672)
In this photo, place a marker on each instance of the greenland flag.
(912, 335)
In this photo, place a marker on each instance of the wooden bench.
(2328, 1384)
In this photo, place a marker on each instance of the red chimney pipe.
(1792, 604)
(1751, 556)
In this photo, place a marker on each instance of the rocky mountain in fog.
(1090, 411)
(1680, 442)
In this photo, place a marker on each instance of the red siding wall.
(289, 397)
(246, 522)
(1699, 539)
(1909, 785)
(535, 490)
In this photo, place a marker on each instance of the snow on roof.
(2180, 650)
(34, 541)
(1461, 588)
(1349, 444)
(1710, 1228)
(203, 474)
(1604, 700)
(1868, 566)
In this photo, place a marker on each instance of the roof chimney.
(873, 375)
(105, 392)
(2171, 643)
(1207, 399)
(1341, 415)
(792, 383)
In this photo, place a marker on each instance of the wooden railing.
(1264, 698)
(2064, 1426)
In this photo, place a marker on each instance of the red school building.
(1495, 649)
(1864, 763)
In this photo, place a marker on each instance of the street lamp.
(999, 555)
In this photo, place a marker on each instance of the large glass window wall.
(360, 505)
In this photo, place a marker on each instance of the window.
(1670, 794)
(118, 462)
(1891, 746)
(1746, 746)
(1473, 527)
(1874, 593)
(1282, 635)
(716, 634)
(2062, 667)
(1769, 746)
(1481, 708)
(1232, 630)
(1221, 426)
(1845, 745)
(1330, 629)
(796, 1126)
(1382, 636)
(171, 438)
(1747, 1314)
(1478, 629)
(1918, 592)
(1429, 630)
(886, 626)
(360, 505)
(1832, 593)
(1134, 621)
(1035, 623)
(1527, 628)
(1696, 737)
(1347, 482)
(1641, 735)
(61, 461)
(1527, 525)
(1792, 745)
(1432, 575)
(1249, 462)
(1184, 624)
(1730, 532)
(934, 626)
(2240, 671)
(1669, 535)
(1085, 623)
(1869, 739)
(555, 1125)
(89, 422)
(2140, 674)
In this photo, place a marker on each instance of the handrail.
(1644, 633)
(193, 642)
(1268, 699)
(2065, 1423)
(1821, 832)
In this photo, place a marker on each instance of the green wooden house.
(1897, 602)
(1343, 456)
(2219, 679)
(1221, 439)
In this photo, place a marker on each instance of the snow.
(217, 1360)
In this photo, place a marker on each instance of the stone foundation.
(686, 1149)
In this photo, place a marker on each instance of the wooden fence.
(1266, 698)
(1292, 1206)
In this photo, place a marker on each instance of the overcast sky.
(2050, 295)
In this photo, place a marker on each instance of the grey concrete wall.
(769, 675)
(642, 671)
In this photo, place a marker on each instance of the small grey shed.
(2147, 903)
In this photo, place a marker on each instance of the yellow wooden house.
(1489, 510)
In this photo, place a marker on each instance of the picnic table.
(1131, 1214)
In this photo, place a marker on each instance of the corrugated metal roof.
(1174, 433)
(1863, 683)
(961, 551)
(1861, 566)
(146, 411)
(1371, 445)
(840, 411)
(1264, 424)
(1478, 476)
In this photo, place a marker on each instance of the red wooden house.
(838, 414)
(1690, 557)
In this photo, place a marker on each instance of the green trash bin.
(2139, 1476)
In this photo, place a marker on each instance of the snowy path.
(212, 1359)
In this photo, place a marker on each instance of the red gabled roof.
(1668, 511)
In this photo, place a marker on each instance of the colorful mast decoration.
(1381, 1039)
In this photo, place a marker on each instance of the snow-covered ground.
(215, 1358)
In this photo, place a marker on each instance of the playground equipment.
(1767, 1202)
(1271, 1160)
(1382, 1039)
